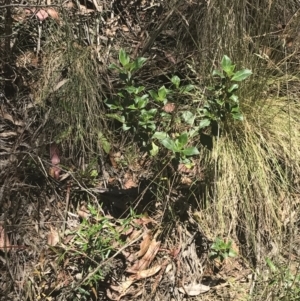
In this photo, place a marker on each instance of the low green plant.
(144, 112)
(224, 102)
(221, 250)
(97, 238)
(283, 283)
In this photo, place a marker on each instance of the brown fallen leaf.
(114, 158)
(83, 212)
(42, 15)
(147, 273)
(194, 289)
(145, 261)
(4, 240)
(53, 237)
(144, 246)
(53, 14)
(129, 184)
(169, 107)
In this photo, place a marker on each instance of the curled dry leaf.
(83, 212)
(144, 220)
(4, 241)
(144, 246)
(42, 15)
(144, 262)
(129, 184)
(53, 237)
(54, 154)
(194, 289)
(54, 171)
(169, 107)
(53, 14)
(147, 273)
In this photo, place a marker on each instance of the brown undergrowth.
(87, 214)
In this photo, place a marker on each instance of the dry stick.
(67, 207)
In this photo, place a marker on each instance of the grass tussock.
(70, 89)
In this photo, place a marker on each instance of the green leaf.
(237, 116)
(218, 73)
(169, 144)
(104, 142)
(162, 93)
(175, 81)
(114, 106)
(182, 140)
(231, 253)
(114, 66)
(153, 94)
(123, 57)
(132, 107)
(160, 135)
(125, 127)
(117, 117)
(271, 265)
(241, 75)
(138, 64)
(227, 65)
(154, 150)
(204, 123)
(131, 89)
(187, 88)
(190, 151)
(141, 101)
(234, 98)
(188, 117)
(233, 88)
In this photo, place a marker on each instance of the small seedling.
(221, 250)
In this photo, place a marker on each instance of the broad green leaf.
(141, 101)
(140, 89)
(182, 139)
(231, 253)
(116, 116)
(188, 117)
(175, 81)
(237, 116)
(162, 93)
(160, 135)
(131, 89)
(138, 63)
(123, 57)
(132, 107)
(114, 106)
(227, 65)
(218, 73)
(125, 127)
(234, 98)
(190, 151)
(187, 88)
(153, 94)
(233, 88)
(169, 144)
(204, 123)
(241, 75)
(104, 142)
(114, 66)
(154, 150)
